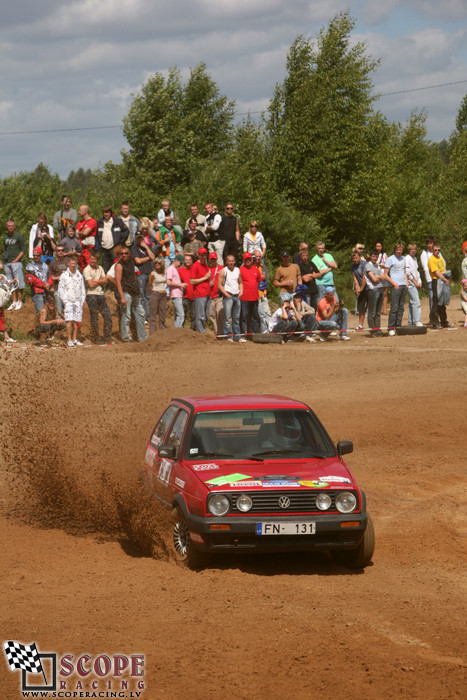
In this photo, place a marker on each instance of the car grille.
(301, 501)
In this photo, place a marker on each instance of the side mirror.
(167, 451)
(344, 447)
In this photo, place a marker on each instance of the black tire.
(185, 552)
(264, 338)
(411, 330)
(361, 556)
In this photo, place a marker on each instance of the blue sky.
(75, 65)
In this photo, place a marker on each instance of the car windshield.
(258, 435)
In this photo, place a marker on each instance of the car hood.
(219, 475)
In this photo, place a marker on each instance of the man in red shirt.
(200, 279)
(251, 277)
(216, 305)
(86, 230)
(185, 276)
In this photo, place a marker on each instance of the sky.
(76, 65)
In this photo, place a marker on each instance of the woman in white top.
(36, 231)
(158, 300)
(254, 240)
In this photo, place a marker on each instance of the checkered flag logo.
(23, 657)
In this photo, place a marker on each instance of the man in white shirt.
(414, 284)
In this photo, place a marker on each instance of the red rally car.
(255, 474)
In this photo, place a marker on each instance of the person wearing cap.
(251, 278)
(216, 306)
(231, 288)
(287, 277)
(143, 256)
(325, 264)
(200, 279)
(331, 314)
(191, 244)
(37, 275)
(176, 288)
(305, 316)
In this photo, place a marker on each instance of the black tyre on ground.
(361, 556)
(264, 338)
(185, 552)
(411, 330)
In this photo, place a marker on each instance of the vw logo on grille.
(284, 502)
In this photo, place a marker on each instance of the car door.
(169, 454)
(152, 460)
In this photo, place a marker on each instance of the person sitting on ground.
(72, 292)
(284, 321)
(49, 324)
(331, 314)
(94, 278)
(305, 316)
(70, 242)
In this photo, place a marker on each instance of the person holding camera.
(331, 314)
(284, 320)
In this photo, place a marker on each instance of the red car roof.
(225, 402)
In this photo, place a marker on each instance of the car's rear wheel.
(361, 556)
(185, 550)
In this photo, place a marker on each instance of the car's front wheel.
(361, 556)
(185, 551)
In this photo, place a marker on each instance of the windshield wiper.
(287, 452)
(211, 454)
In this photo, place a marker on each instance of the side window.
(176, 432)
(161, 427)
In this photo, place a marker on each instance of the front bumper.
(242, 537)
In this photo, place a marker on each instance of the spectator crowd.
(206, 270)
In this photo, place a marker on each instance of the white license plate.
(285, 528)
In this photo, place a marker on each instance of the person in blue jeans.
(396, 275)
(331, 315)
(129, 296)
(231, 287)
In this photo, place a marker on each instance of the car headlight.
(323, 501)
(346, 502)
(244, 503)
(218, 504)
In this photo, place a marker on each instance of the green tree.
(173, 127)
(318, 121)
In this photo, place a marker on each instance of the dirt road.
(75, 570)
